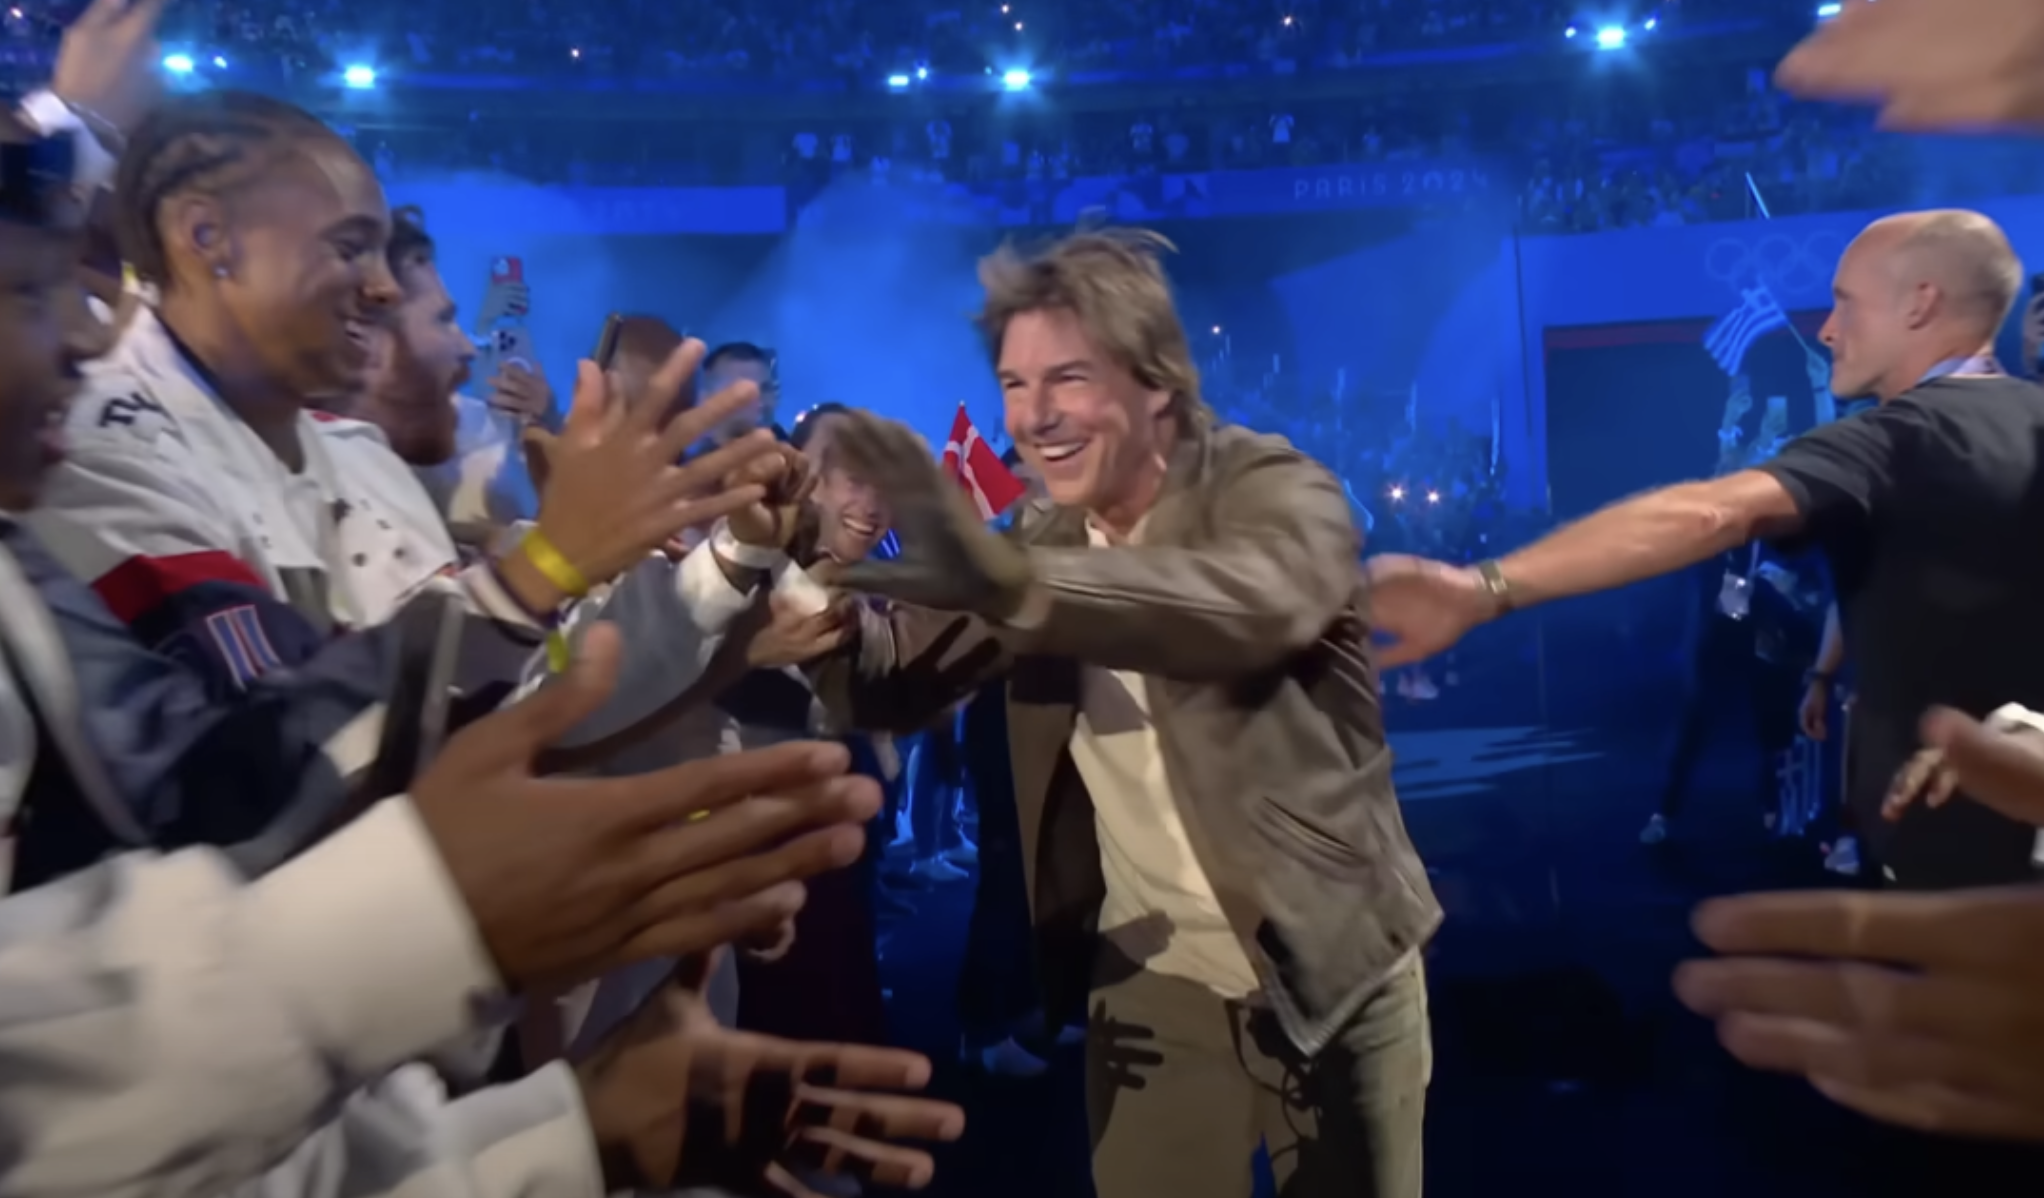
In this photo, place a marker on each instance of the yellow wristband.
(551, 563)
(558, 655)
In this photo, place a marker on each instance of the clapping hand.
(950, 559)
(678, 1101)
(613, 487)
(568, 877)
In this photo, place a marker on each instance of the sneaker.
(1656, 830)
(1843, 857)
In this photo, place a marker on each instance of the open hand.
(109, 63)
(1422, 607)
(795, 633)
(1928, 64)
(1916, 1009)
(950, 559)
(569, 877)
(614, 486)
(678, 1101)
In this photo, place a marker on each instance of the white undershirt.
(1160, 908)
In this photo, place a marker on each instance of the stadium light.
(220, 61)
(922, 72)
(1569, 32)
(359, 77)
(1611, 37)
(179, 64)
(1015, 81)
(897, 82)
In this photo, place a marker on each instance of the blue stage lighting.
(1652, 24)
(359, 77)
(1015, 81)
(922, 72)
(220, 61)
(178, 64)
(1569, 32)
(1827, 11)
(1611, 37)
(897, 81)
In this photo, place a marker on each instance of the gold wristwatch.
(1495, 584)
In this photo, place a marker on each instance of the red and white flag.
(970, 460)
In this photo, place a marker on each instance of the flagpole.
(1760, 202)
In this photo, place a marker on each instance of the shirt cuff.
(488, 598)
(2014, 717)
(793, 584)
(709, 598)
(46, 113)
(530, 1139)
(367, 941)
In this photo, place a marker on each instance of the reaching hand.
(521, 393)
(677, 1101)
(1912, 1008)
(795, 635)
(1422, 606)
(569, 877)
(1997, 766)
(771, 522)
(1915, 1009)
(950, 559)
(615, 487)
(1813, 717)
(109, 62)
(1928, 64)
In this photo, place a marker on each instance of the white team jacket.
(171, 1030)
(157, 466)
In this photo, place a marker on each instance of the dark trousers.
(1182, 1085)
(1727, 680)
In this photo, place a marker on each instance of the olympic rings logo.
(1783, 262)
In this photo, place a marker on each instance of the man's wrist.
(528, 584)
(1818, 677)
(1490, 577)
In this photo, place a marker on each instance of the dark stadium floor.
(1564, 1066)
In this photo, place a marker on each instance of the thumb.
(1992, 767)
(561, 703)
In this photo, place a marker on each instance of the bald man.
(1929, 508)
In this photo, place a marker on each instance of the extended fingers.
(705, 886)
(1870, 1061)
(693, 930)
(1965, 930)
(868, 1161)
(670, 795)
(1851, 994)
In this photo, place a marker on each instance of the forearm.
(1640, 538)
(903, 668)
(1831, 653)
(244, 1012)
(402, 1138)
(1192, 614)
(674, 618)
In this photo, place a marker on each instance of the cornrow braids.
(210, 142)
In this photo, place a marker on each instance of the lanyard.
(1977, 365)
